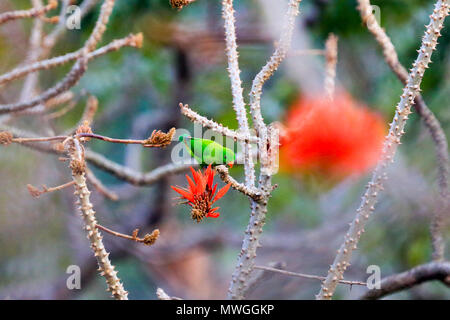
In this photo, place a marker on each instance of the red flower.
(332, 138)
(201, 194)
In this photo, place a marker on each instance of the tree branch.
(236, 87)
(267, 148)
(392, 141)
(431, 123)
(31, 13)
(308, 276)
(427, 272)
(217, 127)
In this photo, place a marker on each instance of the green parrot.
(208, 152)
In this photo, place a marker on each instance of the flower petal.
(192, 186)
(213, 214)
(209, 176)
(195, 175)
(213, 191)
(184, 193)
(202, 182)
(221, 192)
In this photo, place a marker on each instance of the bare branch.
(77, 70)
(148, 240)
(431, 122)
(119, 171)
(131, 176)
(133, 40)
(210, 124)
(331, 57)
(429, 42)
(246, 259)
(225, 176)
(236, 87)
(427, 272)
(31, 13)
(111, 195)
(36, 193)
(308, 276)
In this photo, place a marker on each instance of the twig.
(225, 176)
(35, 192)
(133, 40)
(31, 13)
(391, 144)
(30, 85)
(427, 272)
(87, 118)
(70, 80)
(217, 127)
(50, 40)
(308, 276)
(331, 57)
(263, 276)
(61, 112)
(148, 240)
(111, 195)
(40, 139)
(157, 139)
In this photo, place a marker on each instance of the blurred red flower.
(328, 138)
(201, 194)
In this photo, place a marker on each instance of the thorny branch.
(396, 131)
(78, 166)
(149, 239)
(431, 122)
(236, 87)
(217, 127)
(225, 176)
(268, 143)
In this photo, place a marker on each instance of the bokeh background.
(182, 60)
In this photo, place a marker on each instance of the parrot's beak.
(230, 164)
